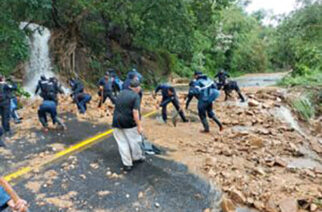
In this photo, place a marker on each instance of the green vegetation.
(304, 107)
(164, 37)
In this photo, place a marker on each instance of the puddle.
(263, 80)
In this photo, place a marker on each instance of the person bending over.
(169, 95)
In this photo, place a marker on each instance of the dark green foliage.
(299, 40)
(162, 37)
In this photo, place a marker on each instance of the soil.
(261, 160)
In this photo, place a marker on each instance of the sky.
(275, 7)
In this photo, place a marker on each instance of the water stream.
(39, 61)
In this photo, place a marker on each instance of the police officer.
(5, 95)
(117, 83)
(13, 109)
(77, 87)
(49, 88)
(57, 86)
(206, 91)
(190, 93)
(105, 85)
(41, 85)
(169, 95)
(81, 100)
(133, 75)
(49, 107)
(14, 105)
(222, 76)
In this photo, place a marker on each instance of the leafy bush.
(310, 78)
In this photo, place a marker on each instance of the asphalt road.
(92, 179)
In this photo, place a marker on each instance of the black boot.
(205, 125)
(183, 117)
(218, 123)
(242, 99)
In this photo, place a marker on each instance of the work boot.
(183, 117)
(205, 125)
(127, 168)
(221, 128)
(218, 123)
(142, 160)
(242, 99)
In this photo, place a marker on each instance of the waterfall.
(39, 61)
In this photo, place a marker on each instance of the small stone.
(288, 205)
(253, 103)
(227, 205)
(313, 207)
(103, 193)
(157, 205)
(140, 195)
(270, 206)
(238, 196)
(94, 165)
(280, 162)
(259, 205)
(256, 141)
(127, 196)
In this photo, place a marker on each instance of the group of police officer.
(205, 90)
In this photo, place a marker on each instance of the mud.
(264, 159)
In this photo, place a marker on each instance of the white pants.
(128, 144)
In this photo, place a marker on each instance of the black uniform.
(107, 85)
(166, 99)
(222, 77)
(206, 92)
(77, 87)
(48, 107)
(5, 96)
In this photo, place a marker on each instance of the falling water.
(39, 62)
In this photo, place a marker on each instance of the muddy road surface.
(265, 159)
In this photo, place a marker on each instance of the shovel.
(14, 196)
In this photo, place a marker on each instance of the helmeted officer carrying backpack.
(206, 92)
(49, 91)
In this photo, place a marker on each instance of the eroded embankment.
(262, 159)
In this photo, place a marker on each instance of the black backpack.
(48, 89)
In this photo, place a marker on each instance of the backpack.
(207, 89)
(49, 91)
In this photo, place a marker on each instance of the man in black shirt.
(127, 125)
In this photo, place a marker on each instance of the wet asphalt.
(158, 184)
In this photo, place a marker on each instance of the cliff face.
(72, 56)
